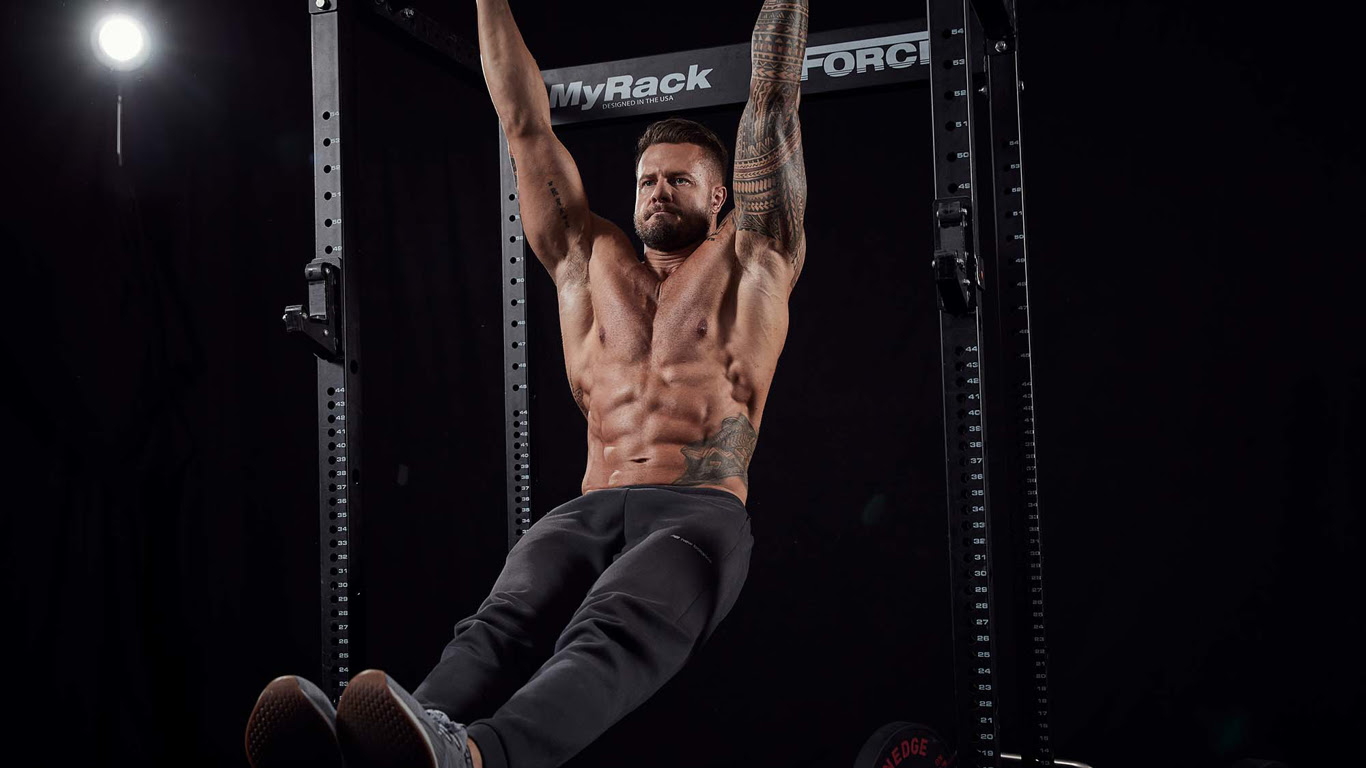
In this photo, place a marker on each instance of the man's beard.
(670, 233)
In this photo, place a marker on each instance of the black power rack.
(979, 264)
(330, 323)
(982, 273)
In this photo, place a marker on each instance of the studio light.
(121, 42)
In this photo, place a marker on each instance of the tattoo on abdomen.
(724, 454)
(577, 392)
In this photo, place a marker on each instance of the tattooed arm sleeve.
(770, 178)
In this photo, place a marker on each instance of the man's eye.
(681, 181)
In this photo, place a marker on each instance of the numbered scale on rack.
(980, 269)
(330, 325)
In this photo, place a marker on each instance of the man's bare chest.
(704, 335)
(685, 317)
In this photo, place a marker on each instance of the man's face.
(677, 196)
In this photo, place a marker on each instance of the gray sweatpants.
(599, 604)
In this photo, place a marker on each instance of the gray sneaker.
(292, 724)
(380, 725)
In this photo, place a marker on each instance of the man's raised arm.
(555, 214)
(511, 73)
(770, 177)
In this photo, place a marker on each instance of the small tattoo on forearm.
(564, 215)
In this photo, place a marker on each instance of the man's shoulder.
(607, 232)
(609, 248)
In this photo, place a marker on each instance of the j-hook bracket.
(321, 323)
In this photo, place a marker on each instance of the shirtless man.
(670, 359)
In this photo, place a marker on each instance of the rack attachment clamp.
(955, 266)
(320, 323)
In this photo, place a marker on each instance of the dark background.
(1193, 178)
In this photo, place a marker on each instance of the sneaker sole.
(286, 729)
(375, 728)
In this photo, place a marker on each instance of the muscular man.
(670, 358)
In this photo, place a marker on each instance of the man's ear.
(718, 198)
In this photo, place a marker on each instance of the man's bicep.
(770, 172)
(554, 208)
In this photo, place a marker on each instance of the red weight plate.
(905, 745)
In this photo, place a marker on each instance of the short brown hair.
(680, 130)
